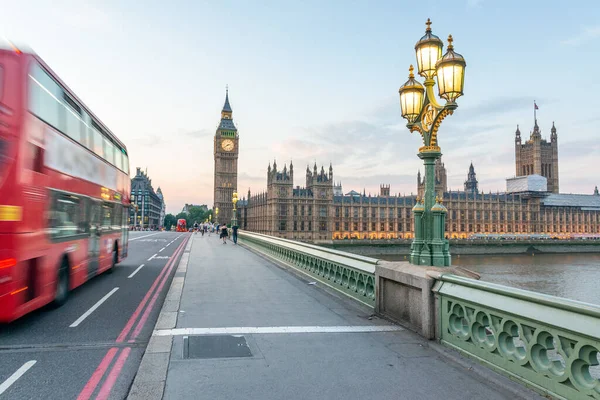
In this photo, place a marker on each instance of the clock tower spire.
(226, 159)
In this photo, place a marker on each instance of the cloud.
(474, 3)
(587, 33)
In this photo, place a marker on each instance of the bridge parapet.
(549, 343)
(351, 274)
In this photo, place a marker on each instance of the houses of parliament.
(531, 204)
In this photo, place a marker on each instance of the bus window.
(118, 159)
(109, 151)
(117, 215)
(107, 211)
(126, 164)
(73, 122)
(43, 96)
(98, 142)
(65, 216)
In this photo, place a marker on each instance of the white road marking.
(14, 377)
(162, 257)
(161, 249)
(150, 259)
(93, 308)
(140, 237)
(136, 271)
(277, 329)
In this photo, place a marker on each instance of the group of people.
(221, 229)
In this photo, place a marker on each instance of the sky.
(317, 81)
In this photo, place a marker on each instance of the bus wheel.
(62, 285)
(115, 259)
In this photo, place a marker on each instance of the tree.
(196, 214)
(170, 220)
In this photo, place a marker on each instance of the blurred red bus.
(64, 188)
(181, 225)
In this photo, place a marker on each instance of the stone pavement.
(289, 339)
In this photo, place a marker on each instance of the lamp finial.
(450, 40)
(411, 71)
(428, 23)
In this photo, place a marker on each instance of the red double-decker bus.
(64, 188)
(181, 225)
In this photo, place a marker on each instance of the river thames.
(574, 276)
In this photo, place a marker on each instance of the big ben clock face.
(227, 145)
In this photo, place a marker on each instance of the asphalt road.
(72, 353)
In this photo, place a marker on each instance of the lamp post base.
(429, 247)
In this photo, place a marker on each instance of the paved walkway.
(335, 350)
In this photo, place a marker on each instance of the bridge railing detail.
(350, 274)
(551, 344)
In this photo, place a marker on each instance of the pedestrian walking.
(224, 234)
(234, 230)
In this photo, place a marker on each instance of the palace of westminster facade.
(320, 211)
(532, 203)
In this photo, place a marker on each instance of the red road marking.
(89, 388)
(113, 375)
(142, 304)
(91, 385)
(146, 314)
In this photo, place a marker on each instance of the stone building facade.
(226, 151)
(318, 211)
(146, 204)
(537, 156)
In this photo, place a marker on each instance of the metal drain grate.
(219, 346)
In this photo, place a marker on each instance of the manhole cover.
(220, 346)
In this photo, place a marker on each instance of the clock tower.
(226, 164)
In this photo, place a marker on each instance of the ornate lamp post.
(217, 215)
(424, 114)
(234, 200)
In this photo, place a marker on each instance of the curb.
(151, 377)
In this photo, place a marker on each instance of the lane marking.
(92, 309)
(150, 259)
(113, 375)
(277, 329)
(141, 237)
(161, 249)
(90, 386)
(171, 265)
(136, 271)
(142, 304)
(15, 377)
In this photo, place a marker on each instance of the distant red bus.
(64, 188)
(181, 225)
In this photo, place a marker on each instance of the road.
(91, 347)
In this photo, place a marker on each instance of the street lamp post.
(217, 215)
(234, 200)
(424, 114)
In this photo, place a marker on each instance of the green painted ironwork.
(549, 343)
(350, 274)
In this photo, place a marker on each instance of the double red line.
(106, 362)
